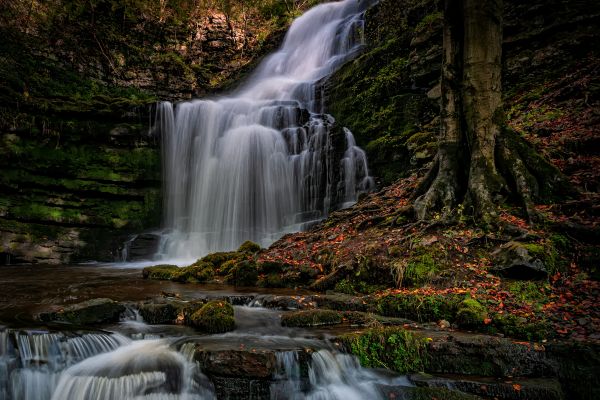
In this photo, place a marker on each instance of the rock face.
(81, 168)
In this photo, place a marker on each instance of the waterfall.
(331, 376)
(264, 160)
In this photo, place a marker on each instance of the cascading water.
(265, 160)
(95, 366)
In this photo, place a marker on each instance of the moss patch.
(249, 247)
(311, 318)
(198, 272)
(471, 313)
(391, 348)
(243, 273)
(214, 317)
(422, 308)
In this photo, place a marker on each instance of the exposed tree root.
(523, 176)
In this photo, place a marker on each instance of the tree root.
(522, 174)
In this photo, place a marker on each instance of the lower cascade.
(265, 160)
(39, 365)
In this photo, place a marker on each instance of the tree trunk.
(465, 170)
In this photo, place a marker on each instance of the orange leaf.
(517, 387)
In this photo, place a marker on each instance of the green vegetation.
(471, 313)
(353, 286)
(519, 327)
(422, 308)
(214, 317)
(249, 247)
(392, 348)
(244, 273)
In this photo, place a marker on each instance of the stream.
(134, 360)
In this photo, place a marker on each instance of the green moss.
(429, 21)
(249, 247)
(521, 328)
(308, 318)
(244, 273)
(547, 253)
(530, 292)
(471, 313)
(372, 96)
(219, 258)
(422, 308)
(214, 317)
(420, 270)
(351, 286)
(160, 272)
(391, 348)
(270, 281)
(198, 272)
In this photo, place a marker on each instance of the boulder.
(159, 313)
(95, 311)
(514, 260)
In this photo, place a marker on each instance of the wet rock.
(285, 302)
(143, 247)
(483, 355)
(530, 389)
(241, 388)
(232, 363)
(159, 313)
(95, 311)
(309, 318)
(513, 260)
(424, 393)
(341, 302)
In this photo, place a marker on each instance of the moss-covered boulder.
(219, 258)
(163, 272)
(243, 273)
(471, 313)
(95, 311)
(309, 318)
(249, 247)
(197, 272)
(520, 261)
(214, 317)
